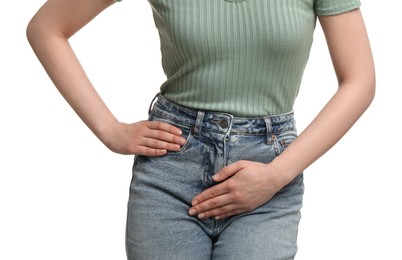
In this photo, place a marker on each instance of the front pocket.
(185, 129)
(188, 136)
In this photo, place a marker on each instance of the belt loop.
(152, 103)
(268, 124)
(198, 123)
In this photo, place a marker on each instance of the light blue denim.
(161, 190)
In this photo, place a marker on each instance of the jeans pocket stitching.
(186, 144)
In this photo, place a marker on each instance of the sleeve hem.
(338, 10)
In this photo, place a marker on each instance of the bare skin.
(48, 33)
(353, 63)
(244, 185)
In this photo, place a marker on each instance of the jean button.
(224, 123)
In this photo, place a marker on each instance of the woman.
(218, 168)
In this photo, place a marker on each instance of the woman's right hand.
(149, 138)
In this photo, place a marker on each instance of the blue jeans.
(161, 190)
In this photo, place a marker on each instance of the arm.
(48, 34)
(353, 63)
(352, 59)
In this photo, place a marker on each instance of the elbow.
(368, 80)
(370, 88)
(41, 36)
(34, 32)
(30, 31)
(363, 84)
(39, 31)
(361, 89)
(367, 89)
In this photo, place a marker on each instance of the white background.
(63, 195)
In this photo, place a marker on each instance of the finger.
(228, 171)
(210, 193)
(229, 214)
(166, 136)
(157, 144)
(209, 205)
(143, 150)
(158, 125)
(226, 210)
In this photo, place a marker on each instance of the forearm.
(62, 66)
(334, 120)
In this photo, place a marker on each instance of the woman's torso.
(243, 57)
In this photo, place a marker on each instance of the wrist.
(104, 131)
(283, 173)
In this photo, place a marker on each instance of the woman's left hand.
(244, 186)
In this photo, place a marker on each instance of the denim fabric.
(161, 190)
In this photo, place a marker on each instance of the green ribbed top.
(243, 57)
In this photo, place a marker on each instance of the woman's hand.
(244, 186)
(150, 138)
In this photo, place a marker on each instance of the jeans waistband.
(218, 121)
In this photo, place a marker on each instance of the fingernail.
(202, 215)
(179, 132)
(192, 212)
(195, 202)
(217, 218)
(215, 176)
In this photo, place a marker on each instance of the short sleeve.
(332, 7)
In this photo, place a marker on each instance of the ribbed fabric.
(243, 57)
(328, 7)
